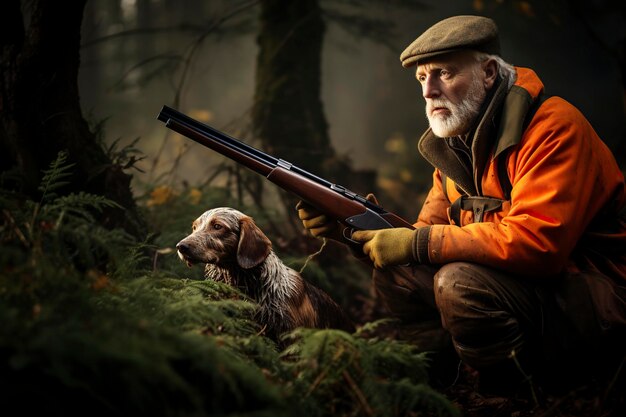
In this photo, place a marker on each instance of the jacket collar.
(517, 104)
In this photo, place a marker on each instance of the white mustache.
(439, 103)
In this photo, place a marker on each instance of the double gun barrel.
(334, 200)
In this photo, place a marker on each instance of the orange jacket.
(567, 192)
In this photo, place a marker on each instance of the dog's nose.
(183, 248)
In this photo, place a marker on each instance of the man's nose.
(430, 88)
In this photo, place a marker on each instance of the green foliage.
(98, 324)
(103, 353)
(126, 156)
(88, 329)
(53, 177)
(354, 375)
(60, 227)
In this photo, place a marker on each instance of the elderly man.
(518, 250)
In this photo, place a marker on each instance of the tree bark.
(288, 114)
(40, 112)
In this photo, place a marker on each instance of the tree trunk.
(288, 113)
(40, 112)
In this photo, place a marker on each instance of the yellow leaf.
(99, 280)
(396, 143)
(405, 175)
(161, 195)
(202, 115)
(195, 195)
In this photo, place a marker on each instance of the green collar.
(511, 126)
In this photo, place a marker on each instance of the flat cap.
(452, 34)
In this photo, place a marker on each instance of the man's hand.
(320, 225)
(317, 223)
(386, 247)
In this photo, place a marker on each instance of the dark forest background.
(329, 95)
(99, 315)
(319, 83)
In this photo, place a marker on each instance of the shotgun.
(334, 200)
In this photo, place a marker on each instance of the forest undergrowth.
(95, 322)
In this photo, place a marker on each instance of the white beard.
(461, 116)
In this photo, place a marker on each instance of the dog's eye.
(217, 226)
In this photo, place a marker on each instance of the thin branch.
(358, 393)
(143, 63)
(183, 27)
(190, 55)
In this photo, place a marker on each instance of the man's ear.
(490, 67)
(253, 245)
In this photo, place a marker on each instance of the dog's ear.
(253, 246)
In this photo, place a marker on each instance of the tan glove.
(387, 247)
(317, 223)
(320, 225)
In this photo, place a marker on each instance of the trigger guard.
(348, 236)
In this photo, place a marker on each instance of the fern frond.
(337, 373)
(371, 327)
(416, 399)
(54, 177)
(126, 156)
(215, 290)
(87, 244)
(134, 262)
(79, 205)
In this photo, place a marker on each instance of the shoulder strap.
(503, 175)
(478, 205)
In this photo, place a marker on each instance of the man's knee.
(406, 292)
(473, 302)
(456, 287)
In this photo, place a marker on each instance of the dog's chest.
(247, 281)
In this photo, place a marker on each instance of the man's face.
(454, 87)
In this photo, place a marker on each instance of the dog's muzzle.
(185, 253)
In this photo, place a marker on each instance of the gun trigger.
(348, 237)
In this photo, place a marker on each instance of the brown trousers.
(566, 321)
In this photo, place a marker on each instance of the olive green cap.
(453, 34)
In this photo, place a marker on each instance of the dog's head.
(224, 236)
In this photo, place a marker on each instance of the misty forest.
(99, 314)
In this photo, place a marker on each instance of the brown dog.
(237, 252)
